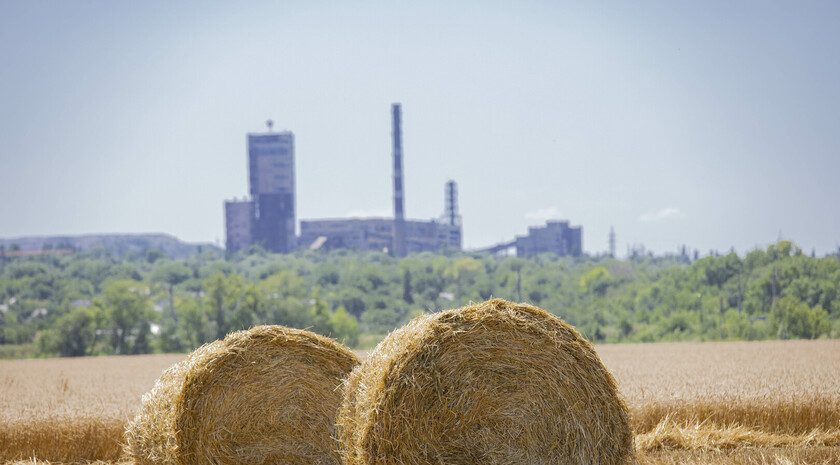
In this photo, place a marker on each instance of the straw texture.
(268, 395)
(491, 383)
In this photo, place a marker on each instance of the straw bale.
(268, 395)
(490, 383)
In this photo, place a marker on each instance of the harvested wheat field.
(783, 388)
(72, 410)
(751, 403)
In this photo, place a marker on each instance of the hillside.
(118, 245)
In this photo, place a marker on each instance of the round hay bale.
(491, 383)
(268, 395)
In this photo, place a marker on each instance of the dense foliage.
(92, 303)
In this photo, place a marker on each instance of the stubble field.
(707, 403)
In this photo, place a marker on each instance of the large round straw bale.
(268, 395)
(491, 383)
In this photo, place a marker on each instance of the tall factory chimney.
(399, 213)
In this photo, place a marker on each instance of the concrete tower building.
(268, 217)
(271, 166)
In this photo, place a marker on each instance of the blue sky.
(709, 124)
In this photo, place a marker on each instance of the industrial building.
(238, 224)
(268, 216)
(378, 234)
(399, 236)
(555, 237)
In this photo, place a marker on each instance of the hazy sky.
(710, 124)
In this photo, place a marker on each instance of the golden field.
(774, 402)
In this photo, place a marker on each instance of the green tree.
(345, 328)
(92, 271)
(429, 278)
(406, 287)
(379, 319)
(625, 327)
(462, 269)
(123, 271)
(286, 311)
(796, 319)
(352, 299)
(719, 270)
(172, 274)
(245, 309)
(285, 283)
(320, 314)
(194, 326)
(223, 294)
(74, 333)
(154, 254)
(516, 264)
(169, 340)
(127, 305)
(99, 312)
(595, 281)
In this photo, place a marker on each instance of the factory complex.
(267, 216)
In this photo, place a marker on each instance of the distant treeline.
(91, 303)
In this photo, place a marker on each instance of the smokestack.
(399, 214)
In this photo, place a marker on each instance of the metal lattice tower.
(450, 212)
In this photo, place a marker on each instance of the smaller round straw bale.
(491, 383)
(268, 395)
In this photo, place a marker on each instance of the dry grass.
(703, 436)
(62, 439)
(72, 410)
(36, 461)
(745, 456)
(491, 383)
(109, 387)
(263, 396)
(791, 416)
(782, 387)
(779, 387)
